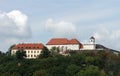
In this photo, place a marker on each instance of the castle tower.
(92, 40)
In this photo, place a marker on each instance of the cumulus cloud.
(101, 34)
(60, 28)
(14, 24)
(13, 28)
(109, 38)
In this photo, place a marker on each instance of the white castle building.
(34, 50)
(72, 44)
(91, 45)
(64, 44)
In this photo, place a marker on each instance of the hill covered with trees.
(87, 63)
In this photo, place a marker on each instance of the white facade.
(74, 47)
(91, 45)
(65, 47)
(30, 53)
(88, 47)
(92, 40)
(33, 50)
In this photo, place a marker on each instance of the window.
(28, 56)
(31, 55)
(34, 51)
(62, 48)
(66, 48)
(34, 55)
(13, 52)
(31, 51)
(37, 51)
(26, 47)
(28, 51)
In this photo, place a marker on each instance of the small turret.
(92, 40)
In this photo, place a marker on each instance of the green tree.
(45, 53)
(55, 51)
(5, 74)
(10, 49)
(90, 71)
(103, 73)
(20, 54)
(41, 73)
(72, 70)
(15, 74)
(58, 71)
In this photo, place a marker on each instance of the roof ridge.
(61, 41)
(29, 46)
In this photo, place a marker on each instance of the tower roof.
(92, 37)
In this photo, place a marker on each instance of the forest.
(87, 63)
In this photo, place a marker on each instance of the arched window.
(61, 49)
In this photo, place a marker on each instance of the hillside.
(86, 63)
(99, 46)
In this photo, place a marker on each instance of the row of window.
(28, 47)
(32, 56)
(33, 51)
(38, 51)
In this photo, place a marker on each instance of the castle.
(34, 50)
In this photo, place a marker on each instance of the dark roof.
(92, 37)
(98, 46)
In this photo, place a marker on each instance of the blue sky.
(39, 20)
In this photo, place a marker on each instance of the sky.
(37, 21)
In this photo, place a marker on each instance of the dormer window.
(26, 47)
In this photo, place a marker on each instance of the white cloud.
(14, 24)
(109, 38)
(18, 17)
(13, 28)
(60, 28)
(101, 34)
(115, 35)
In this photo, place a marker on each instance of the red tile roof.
(28, 46)
(73, 41)
(62, 41)
(56, 41)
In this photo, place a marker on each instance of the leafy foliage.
(9, 50)
(45, 53)
(55, 51)
(20, 54)
(82, 64)
(41, 73)
(90, 71)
